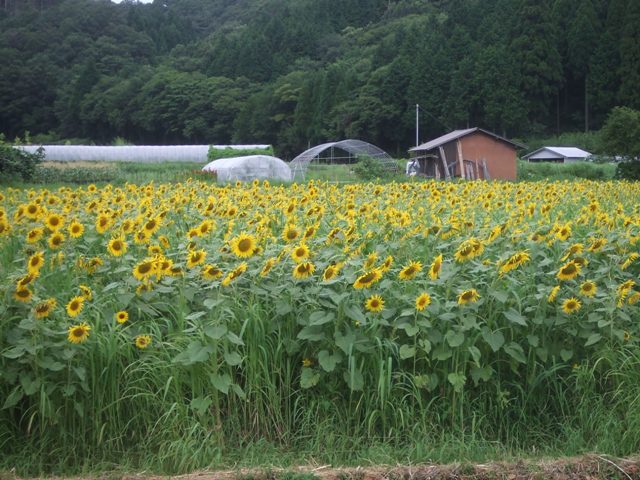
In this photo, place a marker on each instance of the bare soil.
(589, 467)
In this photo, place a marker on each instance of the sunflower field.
(192, 320)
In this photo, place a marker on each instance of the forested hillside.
(296, 72)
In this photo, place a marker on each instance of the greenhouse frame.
(354, 149)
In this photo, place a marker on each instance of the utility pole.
(417, 125)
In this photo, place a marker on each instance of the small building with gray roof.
(558, 155)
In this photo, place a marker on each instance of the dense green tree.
(630, 57)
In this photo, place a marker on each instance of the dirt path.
(590, 467)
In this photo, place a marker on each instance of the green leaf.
(14, 397)
(195, 315)
(494, 339)
(593, 339)
(239, 391)
(221, 382)
(499, 295)
(15, 352)
(442, 353)
(345, 342)
(233, 338)
(454, 339)
(327, 361)
(566, 355)
(354, 379)
(475, 353)
(542, 353)
(533, 340)
(407, 351)
(201, 404)
(481, 373)
(232, 358)
(309, 377)
(321, 317)
(215, 332)
(353, 312)
(283, 308)
(195, 353)
(516, 352)
(313, 333)
(515, 317)
(210, 303)
(457, 380)
(49, 363)
(410, 330)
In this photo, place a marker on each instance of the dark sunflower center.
(467, 295)
(144, 268)
(245, 245)
(78, 332)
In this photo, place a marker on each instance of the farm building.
(140, 153)
(472, 153)
(558, 155)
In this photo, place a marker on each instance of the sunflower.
(44, 309)
(27, 279)
(386, 265)
(303, 270)
(423, 301)
(35, 263)
(300, 253)
(243, 245)
(122, 317)
(331, 271)
(196, 257)
(597, 244)
(54, 222)
(434, 269)
(74, 307)
(633, 298)
(268, 265)
(34, 235)
(144, 270)
(103, 223)
(56, 240)
(211, 272)
(571, 305)
(588, 289)
(553, 294)
(468, 296)
(151, 226)
(290, 233)
(569, 271)
(574, 249)
(32, 211)
(117, 246)
(205, 227)
(75, 229)
(310, 231)
(87, 294)
(632, 258)
(232, 275)
(374, 303)
(78, 333)
(410, 271)
(370, 261)
(22, 294)
(368, 279)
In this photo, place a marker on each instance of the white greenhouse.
(142, 153)
(249, 168)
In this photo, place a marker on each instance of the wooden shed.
(472, 153)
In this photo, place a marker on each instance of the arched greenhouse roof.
(355, 147)
(126, 153)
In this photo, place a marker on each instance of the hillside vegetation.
(302, 71)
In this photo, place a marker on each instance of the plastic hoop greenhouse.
(141, 153)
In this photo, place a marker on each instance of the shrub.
(629, 170)
(369, 168)
(17, 162)
(217, 153)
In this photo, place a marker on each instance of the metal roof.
(436, 142)
(566, 152)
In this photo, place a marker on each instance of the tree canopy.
(305, 71)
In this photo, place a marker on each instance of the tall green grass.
(533, 171)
